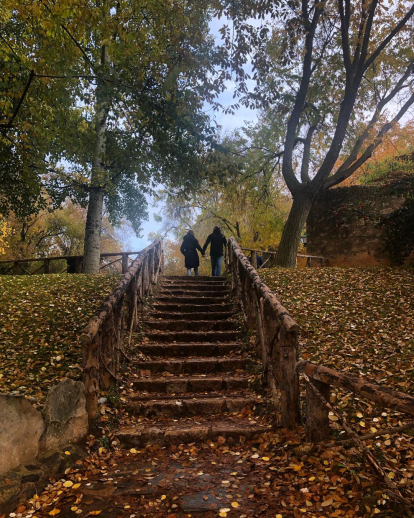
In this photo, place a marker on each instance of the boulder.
(65, 415)
(21, 427)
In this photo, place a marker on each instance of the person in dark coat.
(217, 242)
(189, 249)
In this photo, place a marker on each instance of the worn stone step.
(193, 308)
(193, 336)
(193, 365)
(201, 288)
(190, 300)
(189, 325)
(186, 431)
(204, 315)
(184, 350)
(189, 407)
(194, 384)
(180, 292)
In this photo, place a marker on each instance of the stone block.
(21, 427)
(65, 415)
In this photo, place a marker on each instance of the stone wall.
(32, 441)
(343, 226)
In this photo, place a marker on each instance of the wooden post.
(124, 263)
(46, 266)
(253, 259)
(15, 268)
(289, 379)
(317, 421)
(78, 264)
(91, 377)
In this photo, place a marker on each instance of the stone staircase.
(190, 381)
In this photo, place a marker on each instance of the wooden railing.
(276, 330)
(74, 263)
(107, 337)
(311, 260)
(277, 335)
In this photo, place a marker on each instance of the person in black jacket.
(217, 243)
(189, 249)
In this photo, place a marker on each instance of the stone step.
(184, 350)
(193, 308)
(187, 431)
(193, 336)
(204, 315)
(194, 384)
(192, 278)
(193, 365)
(181, 292)
(190, 299)
(189, 325)
(177, 407)
(187, 287)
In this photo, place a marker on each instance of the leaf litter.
(41, 319)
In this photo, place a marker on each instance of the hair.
(190, 233)
(216, 229)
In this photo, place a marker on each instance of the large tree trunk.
(92, 246)
(289, 244)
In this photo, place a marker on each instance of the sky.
(228, 124)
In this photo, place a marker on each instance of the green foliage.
(41, 318)
(151, 89)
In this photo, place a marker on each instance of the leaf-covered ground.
(359, 320)
(41, 318)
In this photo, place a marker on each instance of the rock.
(65, 415)
(21, 427)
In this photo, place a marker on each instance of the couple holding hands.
(190, 245)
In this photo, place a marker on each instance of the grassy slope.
(41, 318)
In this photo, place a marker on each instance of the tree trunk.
(289, 244)
(92, 247)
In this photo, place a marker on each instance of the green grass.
(41, 318)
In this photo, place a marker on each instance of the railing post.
(317, 420)
(124, 263)
(15, 268)
(289, 378)
(46, 266)
(253, 259)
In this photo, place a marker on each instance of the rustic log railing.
(74, 263)
(311, 260)
(276, 330)
(108, 331)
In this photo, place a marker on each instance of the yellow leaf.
(373, 429)
(68, 483)
(332, 417)
(391, 475)
(67, 452)
(54, 511)
(163, 497)
(235, 505)
(361, 423)
(265, 458)
(279, 516)
(327, 502)
(94, 513)
(359, 414)
(75, 486)
(74, 508)
(133, 450)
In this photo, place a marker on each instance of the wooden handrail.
(384, 396)
(274, 252)
(276, 330)
(104, 337)
(64, 257)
